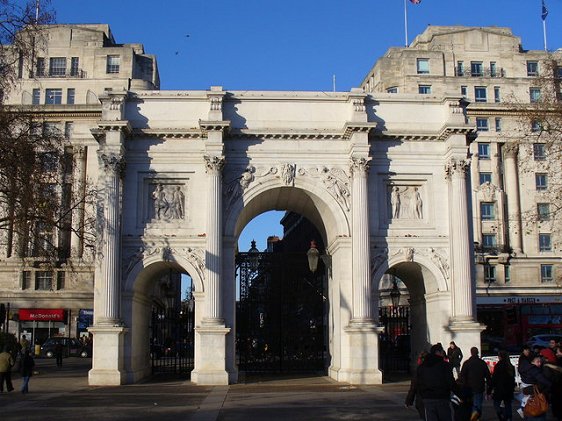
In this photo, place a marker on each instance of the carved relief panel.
(405, 202)
(165, 201)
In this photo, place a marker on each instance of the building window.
(68, 129)
(43, 280)
(60, 279)
(485, 177)
(423, 66)
(489, 273)
(57, 66)
(113, 63)
(481, 124)
(424, 89)
(487, 211)
(536, 126)
(70, 95)
(541, 182)
(26, 279)
(497, 97)
(543, 211)
(539, 151)
(392, 90)
(36, 97)
(463, 91)
(74, 64)
(546, 273)
(498, 124)
(40, 67)
(507, 273)
(484, 150)
(476, 69)
(545, 243)
(493, 69)
(489, 241)
(460, 68)
(53, 96)
(532, 68)
(480, 94)
(534, 94)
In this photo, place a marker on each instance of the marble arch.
(184, 171)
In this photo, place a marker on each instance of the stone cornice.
(286, 135)
(207, 126)
(85, 111)
(170, 133)
(351, 127)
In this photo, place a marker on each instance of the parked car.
(71, 347)
(542, 341)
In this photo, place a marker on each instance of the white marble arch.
(310, 199)
(137, 306)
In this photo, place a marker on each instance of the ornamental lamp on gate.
(313, 255)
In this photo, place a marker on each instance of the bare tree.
(38, 197)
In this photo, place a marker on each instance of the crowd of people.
(23, 358)
(444, 390)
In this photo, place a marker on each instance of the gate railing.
(394, 343)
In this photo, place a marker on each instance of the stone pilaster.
(513, 200)
(79, 185)
(456, 171)
(213, 260)
(362, 308)
(112, 165)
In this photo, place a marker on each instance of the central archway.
(332, 226)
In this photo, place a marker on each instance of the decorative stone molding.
(214, 164)
(235, 188)
(457, 167)
(378, 258)
(337, 183)
(359, 165)
(287, 173)
(488, 191)
(440, 261)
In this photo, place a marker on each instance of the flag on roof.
(544, 13)
(415, 1)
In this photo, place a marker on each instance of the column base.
(361, 365)
(107, 357)
(210, 356)
(466, 334)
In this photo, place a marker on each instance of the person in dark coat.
(502, 386)
(475, 375)
(58, 353)
(535, 376)
(413, 395)
(435, 382)
(454, 355)
(27, 364)
(553, 372)
(525, 359)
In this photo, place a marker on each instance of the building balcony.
(484, 72)
(72, 74)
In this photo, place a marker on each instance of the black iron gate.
(172, 339)
(280, 313)
(394, 342)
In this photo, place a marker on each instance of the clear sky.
(291, 44)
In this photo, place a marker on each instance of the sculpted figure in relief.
(177, 203)
(395, 202)
(334, 181)
(161, 205)
(288, 172)
(416, 204)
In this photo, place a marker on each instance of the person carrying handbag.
(535, 386)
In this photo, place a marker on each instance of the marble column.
(112, 165)
(456, 171)
(213, 260)
(78, 188)
(361, 276)
(512, 191)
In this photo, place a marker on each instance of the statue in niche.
(161, 205)
(176, 205)
(416, 204)
(395, 202)
(288, 173)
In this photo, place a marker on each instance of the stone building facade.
(384, 178)
(517, 245)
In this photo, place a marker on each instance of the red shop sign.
(42, 314)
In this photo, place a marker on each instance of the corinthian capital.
(511, 150)
(359, 165)
(113, 163)
(457, 168)
(214, 163)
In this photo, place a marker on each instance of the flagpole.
(405, 24)
(544, 33)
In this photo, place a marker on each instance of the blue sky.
(291, 44)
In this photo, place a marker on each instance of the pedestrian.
(6, 364)
(475, 375)
(534, 376)
(58, 353)
(553, 372)
(434, 378)
(413, 396)
(454, 354)
(24, 343)
(502, 386)
(27, 364)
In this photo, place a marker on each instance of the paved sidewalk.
(63, 394)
